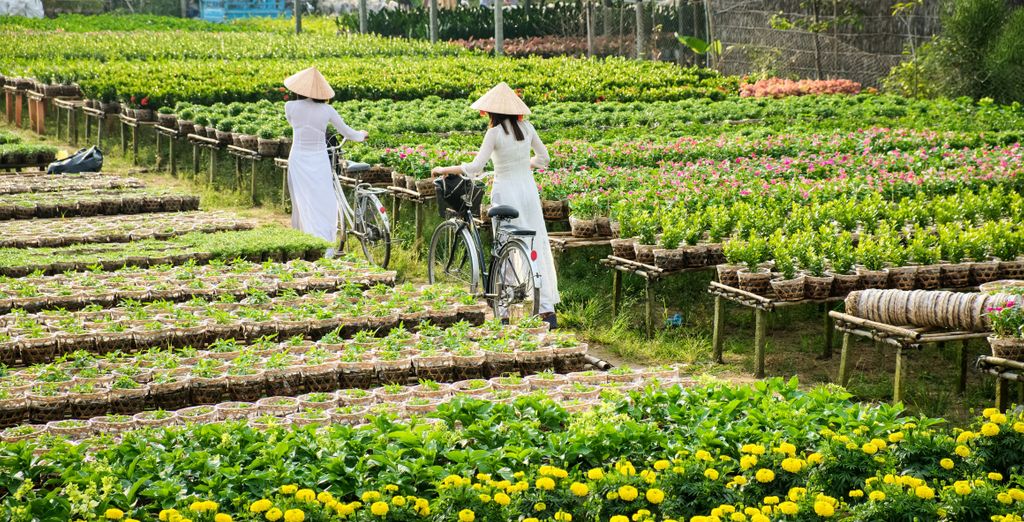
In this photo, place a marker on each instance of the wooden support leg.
(159, 153)
(252, 184)
(759, 341)
(213, 164)
(41, 116)
(844, 373)
(124, 140)
(170, 154)
(195, 161)
(716, 331)
(88, 128)
(238, 169)
(649, 307)
(18, 101)
(961, 359)
(135, 145)
(57, 117)
(826, 350)
(396, 208)
(284, 188)
(100, 122)
(73, 115)
(1020, 392)
(419, 223)
(616, 292)
(1002, 394)
(899, 376)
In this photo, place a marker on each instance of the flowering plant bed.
(808, 455)
(115, 229)
(30, 182)
(93, 202)
(261, 244)
(237, 278)
(41, 337)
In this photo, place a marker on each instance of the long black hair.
(512, 120)
(301, 97)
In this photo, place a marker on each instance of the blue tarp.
(224, 10)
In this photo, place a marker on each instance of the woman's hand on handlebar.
(445, 171)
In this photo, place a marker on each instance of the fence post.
(641, 31)
(499, 27)
(298, 16)
(362, 16)
(433, 21)
(590, 29)
(184, 8)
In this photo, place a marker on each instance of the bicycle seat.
(353, 166)
(502, 212)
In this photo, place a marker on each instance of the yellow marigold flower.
(789, 508)
(305, 495)
(289, 489)
(113, 514)
(770, 501)
(755, 449)
(738, 517)
(740, 480)
(259, 506)
(467, 515)
(1016, 494)
(485, 498)
(824, 509)
(166, 514)
(962, 451)
(222, 517)
(990, 429)
(661, 465)
(711, 473)
(579, 489)
(531, 519)
(796, 493)
(964, 436)
(988, 412)
(540, 506)
(655, 496)
(869, 448)
(758, 517)
(998, 418)
(562, 516)
(877, 496)
(764, 475)
(787, 449)
(649, 476)
(747, 462)
(995, 476)
(545, 483)
(502, 499)
(595, 474)
(370, 496)
(612, 495)
(274, 515)
(379, 508)
(703, 455)
(398, 501)
(946, 463)
(618, 518)
(962, 488)
(896, 436)
(1004, 498)
(294, 515)
(814, 458)
(628, 493)
(792, 465)
(856, 493)
(482, 477)
(924, 492)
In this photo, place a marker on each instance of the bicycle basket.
(454, 192)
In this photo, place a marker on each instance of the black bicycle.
(512, 280)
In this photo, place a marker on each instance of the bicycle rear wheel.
(373, 230)
(514, 284)
(453, 257)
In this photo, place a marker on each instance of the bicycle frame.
(346, 210)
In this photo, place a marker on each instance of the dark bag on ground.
(85, 160)
(454, 192)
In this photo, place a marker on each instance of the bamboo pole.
(362, 17)
(716, 332)
(759, 341)
(641, 30)
(433, 21)
(844, 369)
(298, 16)
(499, 28)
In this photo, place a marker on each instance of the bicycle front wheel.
(514, 284)
(373, 231)
(453, 257)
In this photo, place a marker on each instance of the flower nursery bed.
(55, 232)
(22, 154)
(236, 278)
(82, 385)
(805, 455)
(44, 336)
(93, 202)
(42, 182)
(355, 406)
(269, 243)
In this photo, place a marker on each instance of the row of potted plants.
(268, 243)
(22, 154)
(237, 278)
(80, 385)
(31, 182)
(53, 232)
(94, 202)
(354, 406)
(42, 337)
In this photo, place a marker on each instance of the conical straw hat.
(501, 99)
(310, 83)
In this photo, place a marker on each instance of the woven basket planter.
(554, 210)
(168, 121)
(246, 388)
(397, 179)
(644, 253)
(128, 401)
(468, 367)
(1011, 269)
(727, 274)
(500, 363)
(186, 127)
(1012, 349)
(903, 277)
(984, 271)
(604, 227)
(789, 289)
(249, 142)
(437, 368)
(873, 278)
(623, 247)
(409, 182)
(929, 277)
(531, 362)
(843, 284)
(758, 283)
(1000, 286)
(571, 358)
(818, 287)
(695, 256)
(393, 372)
(266, 147)
(13, 412)
(956, 275)
(426, 187)
(670, 259)
(583, 227)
